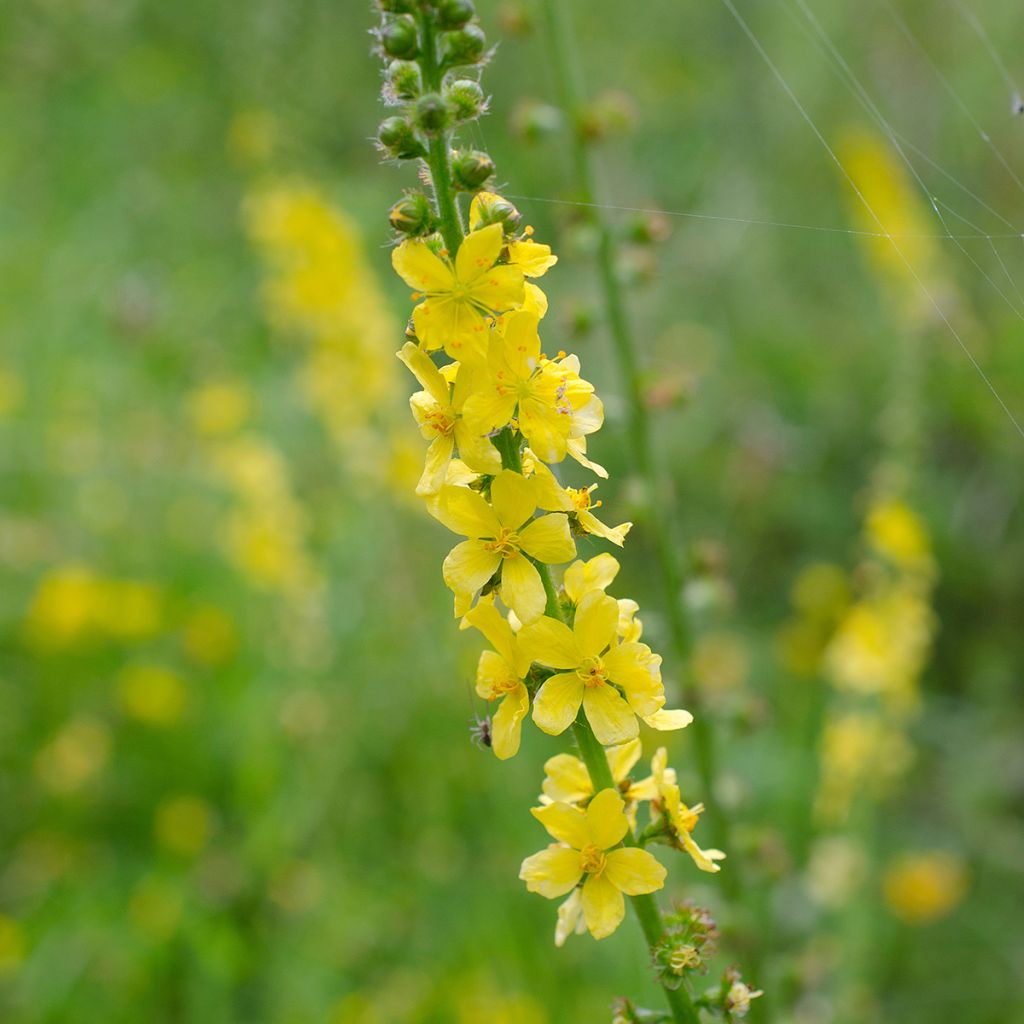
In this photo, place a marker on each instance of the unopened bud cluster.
(431, 49)
(689, 940)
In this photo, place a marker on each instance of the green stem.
(658, 506)
(645, 907)
(438, 154)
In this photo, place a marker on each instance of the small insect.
(480, 731)
(1017, 104)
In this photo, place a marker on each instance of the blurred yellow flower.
(75, 756)
(720, 661)
(13, 946)
(588, 845)
(897, 532)
(921, 888)
(210, 636)
(219, 408)
(152, 694)
(183, 824)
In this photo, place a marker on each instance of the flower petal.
(568, 917)
(633, 871)
(558, 702)
(512, 498)
(535, 258)
(630, 664)
(476, 450)
(464, 511)
(494, 626)
(609, 715)
(704, 859)
(621, 758)
(603, 906)
(606, 819)
(469, 566)
(424, 370)
(435, 466)
(420, 268)
(565, 823)
(550, 642)
(549, 540)
(552, 872)
(551, 495)
(520, 346)
(566, 778)
(596, 574)
(522, 589)
(508, 723)
(478, 253)
(666, 720)
(596, 624)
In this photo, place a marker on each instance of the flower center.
(506, 543)
(581, 498)
(592, 672)
(506, 685)
(592, 859)
(440, 421)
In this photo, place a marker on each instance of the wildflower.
(501, 536)
(738, 995)
(581, 577)
(567, 780)
(662, 790)
(594, 667)
(438, 413)
(577, 502)
(924, 887)
(586, 846)
(459, 297)
(500, 674)
(897, 532)
(152, 694)
(518, 382)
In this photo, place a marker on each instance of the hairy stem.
(657, 505)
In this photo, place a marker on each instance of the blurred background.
(236, 772)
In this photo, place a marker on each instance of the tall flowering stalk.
(499, 413)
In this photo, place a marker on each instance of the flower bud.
(412, 215)
(494, 209)
(465, 98)
(396, 6)
(431, 114)
(454, 13)
(399, 38)
(466, 46)
(403, 79)
(471, 169)
(397, 138)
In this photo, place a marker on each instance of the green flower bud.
(403, 79)
(471, 169)
(399, 38)
(431, 114)
(396, 6)
(398, 139)
(454, 13)
(412, 215)
(466, 46)
(465, 98)
(497, 210)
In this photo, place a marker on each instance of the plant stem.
(437, 159)
(658, 506)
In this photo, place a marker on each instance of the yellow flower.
(897, 532)
(500, 674)
(152, 694)
(518, 382)
(586, 847)
(438, 413)
(577, 502)
(662, 790)
(581, 577)
(567, 779)
(594, 667)
(459, 297)
(501, 535)
(924, 887)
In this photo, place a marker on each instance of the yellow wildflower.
(152, 694)
(594, 666)
(438, 413)
(501, 535)
(586, 846)
(662, 790)
(519, 383)
(500, 674)
(897, 532)
(183, 824)
(581, 577)
(924, 887)
(459, 297)
(577, 502)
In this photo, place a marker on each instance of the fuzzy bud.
(398, 38)
(466, 46)
(494, 209)
(404, 79)
(454, 13)
(412, 215)
(398, 139)
(470, 170)
(431, 114)
(465, 98)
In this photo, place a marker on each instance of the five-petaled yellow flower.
(438, 412)
(594, 667)
(501, 536)
(577, 502)
(517, 382)
(500, 674)
(459, 298)
(589, 848)
(663, 792)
